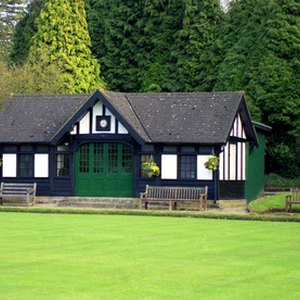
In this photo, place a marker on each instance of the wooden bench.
(174, 195)
(18, 191)
(292, 198)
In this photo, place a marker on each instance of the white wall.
(202, 172)
(9, 165)
(84, 124)
(169, 166)
(41, 165)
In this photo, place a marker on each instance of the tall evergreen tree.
(199, 46)
(62, 35)
(10, 12)
(263, 40)
(115, 41)
(162, 19)
(24, 31)
(156, 45)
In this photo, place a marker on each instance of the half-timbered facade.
(94, 145)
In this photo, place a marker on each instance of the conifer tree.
(62, 35)
(10, 12)
(162, 19)
(24, 31)
(263, 58)
(199, 46)
(114, 30)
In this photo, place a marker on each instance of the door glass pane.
(84, 158)
(112, 158)
(98, 158)
(126, 159)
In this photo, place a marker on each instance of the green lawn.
(51, 256)
(274, 203)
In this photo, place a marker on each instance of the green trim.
(255, 170)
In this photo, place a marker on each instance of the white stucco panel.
(41, 165)
(122, 129)
(202, 172)
(9, 165)
(169, 166)
(97, 111)
(84, 124)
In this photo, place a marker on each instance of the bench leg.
(170, 205)
(175, 205)
(146, 205)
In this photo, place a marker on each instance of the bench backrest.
(295, 194)
(180, 193)
(18, 188)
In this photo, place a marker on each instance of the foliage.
(10, 12)
(149, 169)
(6, 83)
(30, 79)
(115, 41)
(62, 36)
(42, 78)
(198, 50)
(155, 45)
(276, 180)
(24, 31)
(262, 41)
(212, 163)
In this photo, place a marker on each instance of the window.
(63, 160)
(126, 159)
(187, 149)
(62, 165)
(187, 167)
(205, 150)
(113, 158)
(147, 148)
(84, 158)
(63, 148)
(42, 149)
(9, 149)
(170, 149)
(25, 166)
(26, 148)
(98, 158)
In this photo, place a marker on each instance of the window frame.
(63, 150)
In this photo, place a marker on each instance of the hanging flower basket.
(149, 169)
(212, 163)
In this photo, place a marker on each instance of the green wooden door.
(104, 170)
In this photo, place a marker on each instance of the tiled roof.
(162, 118)
(186, 117)
(36, 118)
